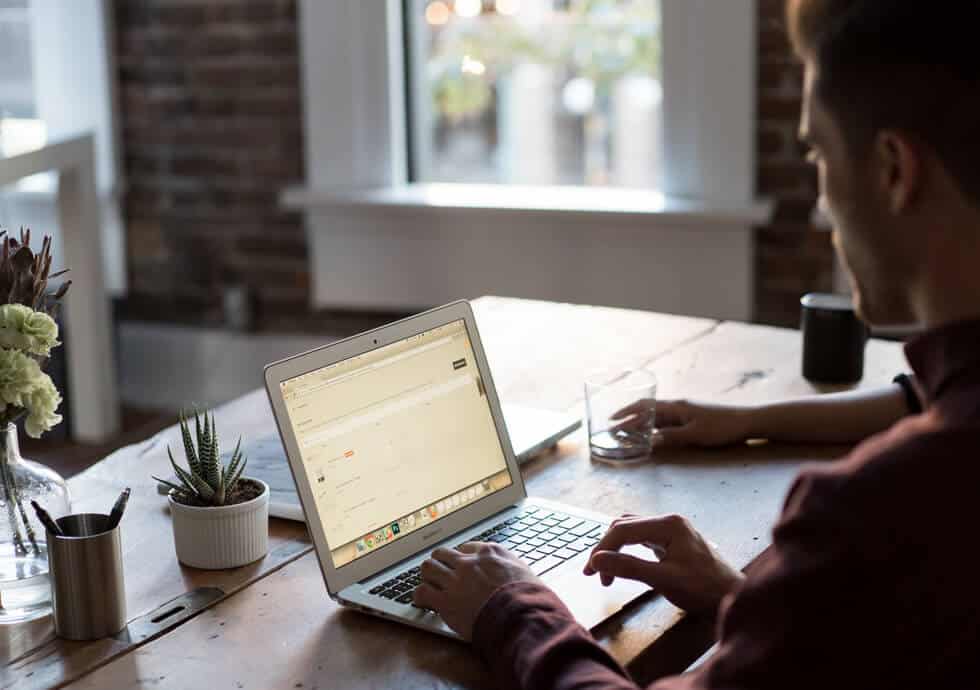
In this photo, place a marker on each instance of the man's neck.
(950, 295)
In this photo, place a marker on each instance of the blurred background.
(274, 174)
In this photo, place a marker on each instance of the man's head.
(892, 115)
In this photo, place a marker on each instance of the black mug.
(833, 339)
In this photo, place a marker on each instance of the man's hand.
(458, 582)
(689, 572)
(683, 423)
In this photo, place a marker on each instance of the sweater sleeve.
(529, 639)
(795, 601)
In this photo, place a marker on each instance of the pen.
(117, 510)
(46, 520)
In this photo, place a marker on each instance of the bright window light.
(536, 92)
(468, 8)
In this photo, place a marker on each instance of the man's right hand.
(689, 572)
(684, 423)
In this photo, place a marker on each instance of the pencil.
(46, 520)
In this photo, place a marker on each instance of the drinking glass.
(620, 414)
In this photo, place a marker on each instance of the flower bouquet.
(28, 333)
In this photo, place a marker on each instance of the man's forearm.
(833, 418)
(530, 640)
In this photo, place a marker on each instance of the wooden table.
(271, 624)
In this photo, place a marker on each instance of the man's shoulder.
(917, 464)
(917, 450)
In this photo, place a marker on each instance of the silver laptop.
(397, 445)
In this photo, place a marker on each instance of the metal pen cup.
(87, 588)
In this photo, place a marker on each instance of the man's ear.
(899, 163)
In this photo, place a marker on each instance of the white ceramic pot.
(222, 536)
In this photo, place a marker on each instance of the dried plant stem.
(23, 515)
(8, 490)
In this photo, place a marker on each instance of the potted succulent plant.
(220, 518)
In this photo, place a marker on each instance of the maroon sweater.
(869, 582)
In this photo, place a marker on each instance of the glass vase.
(25, 592)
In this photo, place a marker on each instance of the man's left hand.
(456, 583)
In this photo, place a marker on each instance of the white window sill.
(569, 202)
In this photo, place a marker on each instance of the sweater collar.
(946, 357)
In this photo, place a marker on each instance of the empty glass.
(620, 414)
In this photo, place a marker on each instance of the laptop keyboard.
(541, 538)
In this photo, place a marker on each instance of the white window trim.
(355, 133)
(589, 203)
(354, 103)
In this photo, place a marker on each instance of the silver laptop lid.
(395, 440)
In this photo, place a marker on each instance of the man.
(869, 581)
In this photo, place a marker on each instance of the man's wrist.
(503, 612)
(753, 420)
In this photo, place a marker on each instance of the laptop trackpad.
(586, 598)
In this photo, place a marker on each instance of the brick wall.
(211, 132)
(792, 257)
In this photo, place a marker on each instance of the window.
(537, 92)
(20, 128)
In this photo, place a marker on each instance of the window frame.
(666, 247)
(709, 79)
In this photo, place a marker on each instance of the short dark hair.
(899, 64)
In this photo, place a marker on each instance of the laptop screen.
(395, 438)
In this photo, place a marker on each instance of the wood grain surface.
(279, 629)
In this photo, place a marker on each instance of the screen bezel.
(370, 564)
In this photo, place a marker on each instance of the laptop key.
(534, 555)
(564, 554)
(546, 549)
(390, 583)
(524, 548)
(496, 538)
(584, 528)
(390, 594)
(572, 523)
(536, 542)
(582, 544)
(377, 590)
(405, 598)
(545, 564)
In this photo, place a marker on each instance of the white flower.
(41, 404)
(22, 328)
(23, 386)
(19, 376)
